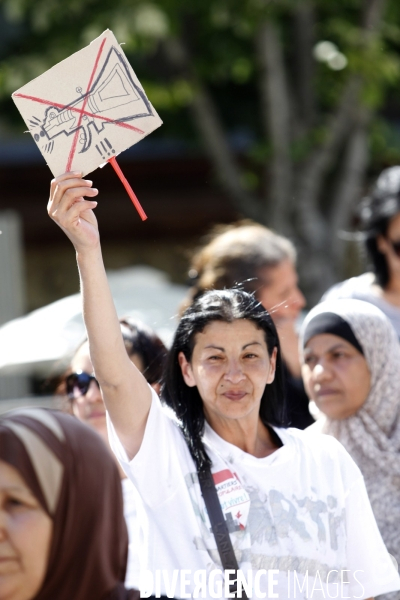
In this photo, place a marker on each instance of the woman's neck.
(251, 437)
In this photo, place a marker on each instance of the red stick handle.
(125, 183)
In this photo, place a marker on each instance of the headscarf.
(372, 434)
(72, 474)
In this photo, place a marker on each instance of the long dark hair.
(143, 341)
(227, 306)
(376, 211)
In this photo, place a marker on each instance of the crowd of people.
(200, 472)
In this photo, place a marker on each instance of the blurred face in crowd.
(335, 375)
(281, 295)
(90, 407)
(230, 366)
(25, 537)
(388, 245)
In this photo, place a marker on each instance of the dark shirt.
(296, 401)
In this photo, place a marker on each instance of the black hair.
(227, 306)
(376, 212)
(143, 341)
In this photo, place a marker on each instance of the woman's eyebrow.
(215, 347)
(16, 489)
(330, 349)
(251, 344)
(223, 349)
(336, 346)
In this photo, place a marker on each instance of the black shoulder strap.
(219, 526)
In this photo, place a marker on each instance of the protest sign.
(87, 109)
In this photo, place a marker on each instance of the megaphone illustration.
(113, 90)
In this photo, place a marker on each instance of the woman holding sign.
(291, 510)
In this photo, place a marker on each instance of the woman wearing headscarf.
(351, 368)
(62, 530)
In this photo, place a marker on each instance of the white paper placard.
(87, 108)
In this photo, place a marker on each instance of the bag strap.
(219, 526)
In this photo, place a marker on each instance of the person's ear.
(382, 244)
(272, 365)
(186, 368)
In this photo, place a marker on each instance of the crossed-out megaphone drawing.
(113, 89)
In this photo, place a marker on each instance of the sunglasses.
(77, 384)
(396, 246)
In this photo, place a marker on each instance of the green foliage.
(220, 36)
(171, 96)
(260, 153)
(384, 144)
(250, 180)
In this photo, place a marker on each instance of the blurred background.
(281, 111)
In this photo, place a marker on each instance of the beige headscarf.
(72, 474)
(372, 435)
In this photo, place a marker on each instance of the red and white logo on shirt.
(235, 501)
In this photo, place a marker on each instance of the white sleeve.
(154, 466)
(371, 569)
(333, 293)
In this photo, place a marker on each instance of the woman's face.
(89, 408)
(230, 366)
(335, 375)
(281, 295)
(25, 537)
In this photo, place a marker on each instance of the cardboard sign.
(87, 109)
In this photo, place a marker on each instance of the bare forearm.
(125, 391)
(107, 350)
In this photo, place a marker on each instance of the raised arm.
(125, 391)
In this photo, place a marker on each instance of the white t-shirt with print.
(299, 519)
(132, 515)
